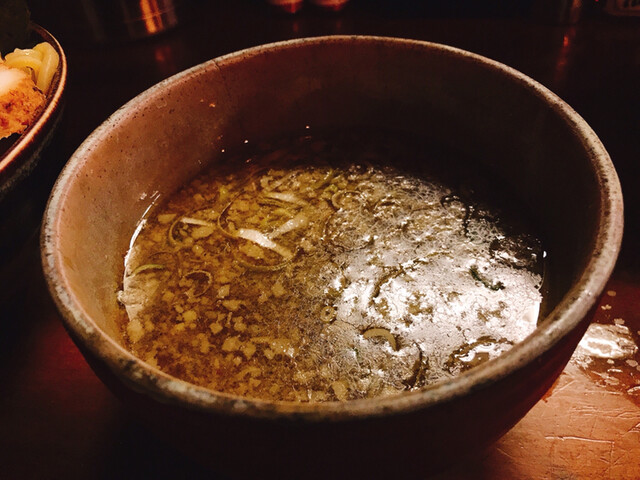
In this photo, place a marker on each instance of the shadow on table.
(138, 453)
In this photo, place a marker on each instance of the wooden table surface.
(57, 420)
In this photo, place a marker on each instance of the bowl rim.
(566, 315)
(10, 166)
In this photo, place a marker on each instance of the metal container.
(131, 19)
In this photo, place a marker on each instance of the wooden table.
(57, 420)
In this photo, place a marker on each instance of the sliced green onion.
(170, 236)
(325, 180)
(299, 221)
(285, 197)
(382, 333)
(219, 222)
(187, 220)
(197, 221)
(339, 199)
(265, 242)
(261, 268)
(328, 314)
(146, 267)
(204, 285)
(495, 286)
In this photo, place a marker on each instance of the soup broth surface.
(310, 269)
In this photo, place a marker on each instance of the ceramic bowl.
(19, 154)
(542, 148)
(22, 199)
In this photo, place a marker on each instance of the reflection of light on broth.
(329, 280)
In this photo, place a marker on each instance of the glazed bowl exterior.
(512, 125)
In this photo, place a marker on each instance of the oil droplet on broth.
(312, 276)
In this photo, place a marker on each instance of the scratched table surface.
(57, 420)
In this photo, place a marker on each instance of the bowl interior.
(506, 122)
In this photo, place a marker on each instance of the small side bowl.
(22, 196)
(21, 156)
(542, 148)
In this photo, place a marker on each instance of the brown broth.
(311, 270)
